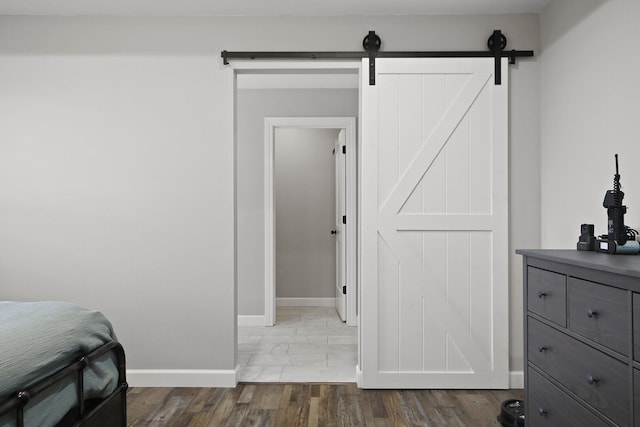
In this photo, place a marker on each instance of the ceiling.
(268, 7)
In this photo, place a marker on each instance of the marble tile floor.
(307, 344)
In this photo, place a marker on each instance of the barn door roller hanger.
(372, 43)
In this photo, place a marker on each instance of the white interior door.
(340, 226)
(434, 198)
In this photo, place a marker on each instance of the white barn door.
(434, 218)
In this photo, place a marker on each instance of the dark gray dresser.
(581, 338)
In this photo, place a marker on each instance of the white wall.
(115, 179)
(589, 112)
(117, 163)
(305, 205)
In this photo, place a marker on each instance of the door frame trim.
(270, 126)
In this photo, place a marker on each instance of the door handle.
(334, 231)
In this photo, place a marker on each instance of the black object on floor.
(511, 413)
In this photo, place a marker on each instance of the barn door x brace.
(496, 44)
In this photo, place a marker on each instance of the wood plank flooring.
(304, 404)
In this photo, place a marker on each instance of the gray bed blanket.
(38, 338)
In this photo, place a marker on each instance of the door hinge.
(344, 219)
(344, 290)
(344, 149)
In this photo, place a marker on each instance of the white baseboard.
(516, 379)
(251, 320)
(227, 378)
(305, 302)
(182, 377)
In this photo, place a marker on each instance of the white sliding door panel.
(434, 225)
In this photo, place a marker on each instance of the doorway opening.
(306, 248)
(333, 107)
(309, 206)
(344, 230)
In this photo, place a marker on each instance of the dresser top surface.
(628, 265)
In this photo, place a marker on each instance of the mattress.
(39, 338)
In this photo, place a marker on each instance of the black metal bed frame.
(109, 412)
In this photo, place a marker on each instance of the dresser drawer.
(636, 326)
(600, 313)
(547, 294)
(592, 375)
(550, 407)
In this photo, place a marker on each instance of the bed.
(60, 365)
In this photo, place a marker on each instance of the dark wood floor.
(313, 405)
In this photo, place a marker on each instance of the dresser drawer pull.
(541, 294)
(542, 412)
(592, 313)
(591, 380)
(542, 349)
